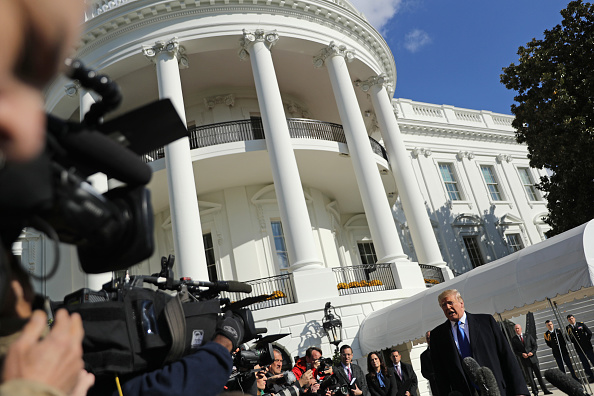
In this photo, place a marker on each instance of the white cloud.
(378, 12)
(416, 39)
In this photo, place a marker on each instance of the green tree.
(555, 113)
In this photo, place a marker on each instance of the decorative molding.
(333, 49)
(72, 88)
(172, 47)
(417, 151)
(297, 110)
(227, 100)
(456, 133)
(464, 154)
(381, 79)
(249, 38)
(504, 157)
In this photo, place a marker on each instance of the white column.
(98, 180)
(287, 182)
(375, 203)
(413, 203)
(185, 217)
(311, 280)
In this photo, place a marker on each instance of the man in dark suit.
(350, 374)
(427, 366)
(525, 346)
(476, 335)
(581, 335)
(555, 340)
(406, 379)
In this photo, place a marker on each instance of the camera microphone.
(564, 382)
(482, 377)
(230, 286)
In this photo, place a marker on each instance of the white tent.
(560, 268)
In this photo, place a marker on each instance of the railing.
(252, 129)
(431, 274)
(364, 278)
(280, 286)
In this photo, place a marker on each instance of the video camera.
(112, 231)
(333, 384)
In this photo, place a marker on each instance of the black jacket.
(556, 342)
(409, 380)
(580, 335)
(360, 381)
(489, 348)
(390, 388)
(529, 345)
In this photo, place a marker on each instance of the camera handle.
(101, 84)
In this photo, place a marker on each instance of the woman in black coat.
(379, 380)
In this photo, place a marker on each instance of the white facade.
(320, 64)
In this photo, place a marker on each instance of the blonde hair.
(449, 292)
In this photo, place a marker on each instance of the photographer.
(285, 383)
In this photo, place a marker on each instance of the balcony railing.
(252, 129)
(431, 274)
(364, 278)
(280, 286)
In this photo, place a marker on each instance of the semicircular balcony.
(252, 129)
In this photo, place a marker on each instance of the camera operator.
(34, 36)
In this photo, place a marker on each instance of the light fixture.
(332, 325)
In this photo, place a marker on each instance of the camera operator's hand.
(231, 328)
(56, 360)
(305, 379)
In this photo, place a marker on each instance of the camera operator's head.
(312, 355)
(277, 366)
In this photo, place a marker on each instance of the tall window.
(367, 252)
(491, 181)
(280, 245)
(514, 241)
(449, 180)
(211, 263)
(528, 183)
(474, 251)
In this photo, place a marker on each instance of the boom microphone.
(564, 382)
(482, 377)
(230, 286)
(490, 382)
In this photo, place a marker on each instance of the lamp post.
(332, 326)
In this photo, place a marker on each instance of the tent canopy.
(560, 268)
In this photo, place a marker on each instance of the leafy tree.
(555, 113)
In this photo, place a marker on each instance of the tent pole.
(570, 347)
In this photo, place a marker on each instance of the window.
(514, 241)
(211, 264)
(280, 245)
(367, 252)
(450, 181)
(474, 251)
(528, 183)
(491, 182)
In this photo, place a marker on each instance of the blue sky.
(452, 52)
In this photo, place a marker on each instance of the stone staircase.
(583, 310)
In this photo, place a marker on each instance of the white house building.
(300, 174)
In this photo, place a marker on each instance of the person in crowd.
(405, 376)
(350, 374)
(580, 335)
(427, 366)
(525, 347)
(556, 341)
(464, 334)
(380, 381)
(310, 361)
(277, 382)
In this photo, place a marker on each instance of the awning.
(560, 268)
